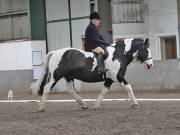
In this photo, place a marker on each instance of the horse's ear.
(120, 44)
(146, 43)
(120, 41)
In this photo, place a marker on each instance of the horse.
(72, 63)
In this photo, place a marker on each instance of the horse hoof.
(84, 107)
(135, 106)
(41, 110)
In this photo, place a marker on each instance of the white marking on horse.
(128, 43)
(112, 66)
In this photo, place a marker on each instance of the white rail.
(89, 100)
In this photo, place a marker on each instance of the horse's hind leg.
(47, 89)
(78, 99)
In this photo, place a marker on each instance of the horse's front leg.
(132, 98)
(104, 90)
(129, 90)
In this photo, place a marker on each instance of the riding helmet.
(94, 15)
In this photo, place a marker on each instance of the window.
(13, 20)
(92, 5)
(168, 47)
(127, 11)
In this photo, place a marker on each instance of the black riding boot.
(100, 63)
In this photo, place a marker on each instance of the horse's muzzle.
(148, 64)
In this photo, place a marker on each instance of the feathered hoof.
(84, 107)
(135, 106)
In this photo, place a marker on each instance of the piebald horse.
(71, 63)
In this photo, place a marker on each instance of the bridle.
(143, 52)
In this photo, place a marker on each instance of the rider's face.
(96, 22)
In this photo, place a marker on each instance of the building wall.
(14, 20)
(58, 35)
(127, 30)
(78, 30)
(16, 80)
(104, 9)
(16, 69)
(38, 54)
(163, 76)
(57, 15)
(162, 21)
(20, 63)
(178, 11)
(37, 19)
(66, 22)
(15, 56)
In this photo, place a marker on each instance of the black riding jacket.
(93, 38)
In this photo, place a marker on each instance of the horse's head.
(137, 49)
(143, 53)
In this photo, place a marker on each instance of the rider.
(94, 42)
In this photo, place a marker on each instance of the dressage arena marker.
(89, 100)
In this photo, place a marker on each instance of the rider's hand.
(98, 50)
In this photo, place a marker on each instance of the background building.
(30, 28)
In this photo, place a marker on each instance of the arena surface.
(114, 118)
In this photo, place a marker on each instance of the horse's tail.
(38, 86)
